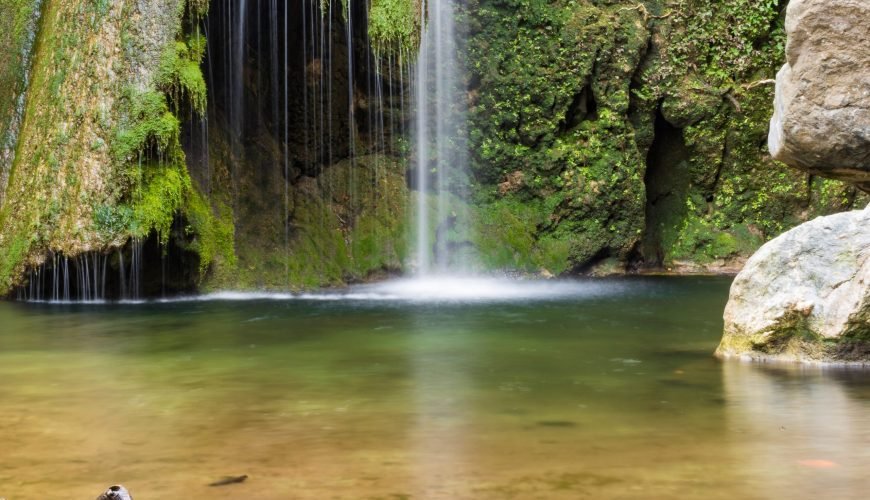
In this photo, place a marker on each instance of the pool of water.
(587, 389)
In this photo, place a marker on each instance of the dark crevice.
(726, 151)
(776, 22)
(667, 182)
(590, 263)
(582, 108)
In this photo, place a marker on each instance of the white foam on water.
(484, 289)
(430, 289)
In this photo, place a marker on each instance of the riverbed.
(485, 390)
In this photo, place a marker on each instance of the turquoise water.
(589, 389)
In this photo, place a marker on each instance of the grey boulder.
(821, 121)
(805, 296)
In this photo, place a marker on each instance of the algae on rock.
(19, 23)
(98, 157)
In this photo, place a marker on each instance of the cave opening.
(667, 180)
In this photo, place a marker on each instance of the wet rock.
(116, 492)
(821, 120)
(691, 106)
(513, 182)
(805, 296)
(229, 480)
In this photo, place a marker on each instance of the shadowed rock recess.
(152, 147)
(805, 296)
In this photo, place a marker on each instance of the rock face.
(821, 121)
(805, 296)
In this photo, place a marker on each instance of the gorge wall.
(632, 133)
(605, 136)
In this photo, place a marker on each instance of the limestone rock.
(805, 296)
(821, 120)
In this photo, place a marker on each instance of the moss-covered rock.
(609, 133)
(99, 159)
(803, 296)
(569, 95)
(19, 23)
(346, 225)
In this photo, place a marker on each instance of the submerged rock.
(821, 121)
(229, 480)
(805, 296)
(116, 492)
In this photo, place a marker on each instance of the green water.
(601, 389)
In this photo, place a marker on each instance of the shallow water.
(593, 389)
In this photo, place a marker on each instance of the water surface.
(591, 389)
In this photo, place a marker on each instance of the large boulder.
(805, 296)
(821, 120)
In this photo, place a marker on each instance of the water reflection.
(439, 433)
(586, 395)
(800, 432)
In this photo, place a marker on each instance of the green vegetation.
(179, 74)
(566, 95)
(394, 25)
(506, 234)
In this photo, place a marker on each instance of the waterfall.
(441, 158)
(81, 278)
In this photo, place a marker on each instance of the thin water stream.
(589, 389)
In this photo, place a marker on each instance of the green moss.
(394, 25)
(724, 42)
(553, 104)
(148, 124)
(346, 225)
(505, 235)
(11, 255)
(113, 221)
(161, 190)
(157, 200)
(198, 8)
(180, 75)
(566, 93)
(212, 231)
(792, 338)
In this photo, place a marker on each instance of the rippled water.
(455, 389)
